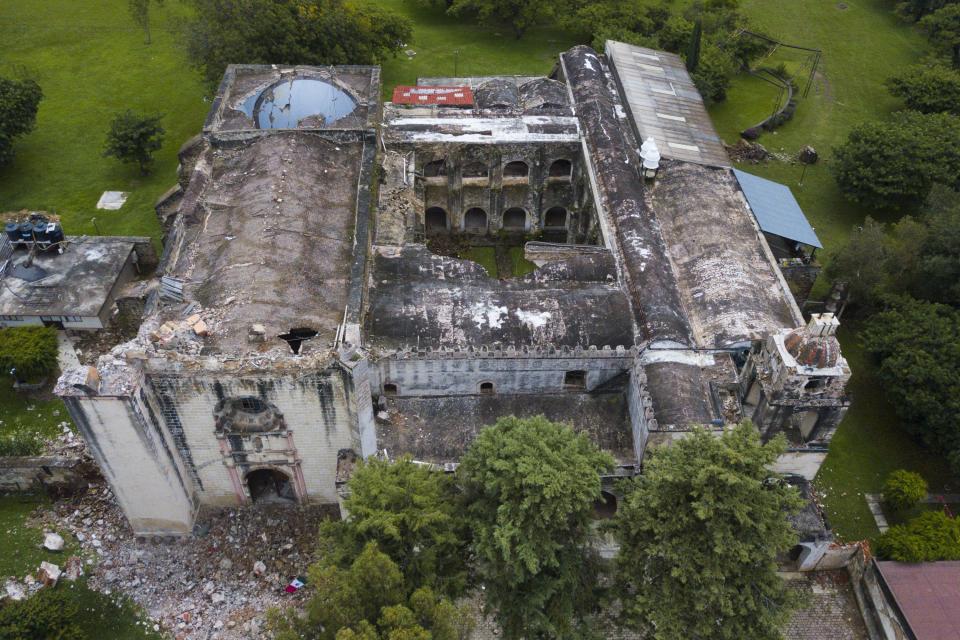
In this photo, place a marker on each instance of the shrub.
(929, 537)
(28, 353)
(903, 489)
(751, 134)
(48, 614)
(134, 138)
(20, 443)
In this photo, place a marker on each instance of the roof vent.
(650, 157)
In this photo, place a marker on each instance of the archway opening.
(436, 220)
(516, 169)
(515, 218)
(555, 217)
(270, 485)
(475, 170)
(486, 388)
(561, 169)
(605, 507)
(475, 220)
(435, 169)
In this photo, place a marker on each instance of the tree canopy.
(894, 164)
(368, 600)
(411, 512)
(528, 488)
(19, 101)
(699, 534)
(929, 537)
(943, 29)
(140, 13)
(519, 15)
(134, 138)
(928, 88)
(317, 32)
(917, 347)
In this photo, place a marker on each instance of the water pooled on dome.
(284, 104)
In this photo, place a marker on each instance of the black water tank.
(54, 233)
(26, 231)
(13, 230)
(40, 231)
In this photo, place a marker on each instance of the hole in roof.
(296, 337)
(285, 104)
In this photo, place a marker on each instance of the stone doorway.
(270, 486)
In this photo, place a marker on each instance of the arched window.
(270, 485)
(516, 169)
(575, 380)
(486, 388)
(435, 220)
(475, 220)
(247, 414)
(556, 217)
(390, 389)
(435, 169)
(475, 170)
(561, 169)
(515, 218)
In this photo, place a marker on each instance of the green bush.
(31, 351)
(49, 614)
(929, 537)
(20, 443)
(904, 489)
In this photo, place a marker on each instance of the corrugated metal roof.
(776, 209)
(928, 596)
(458, 95)
(665, 104)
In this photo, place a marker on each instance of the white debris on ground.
(216, 584)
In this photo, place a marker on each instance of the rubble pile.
(217, 584)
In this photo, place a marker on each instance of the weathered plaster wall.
(443, 376)
(135, 458)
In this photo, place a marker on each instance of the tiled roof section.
(776, 210)
(928, 596)
(665, 105)
(456, 96)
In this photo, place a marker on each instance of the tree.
(693, 52)
(368, 601)
(942, 27)
(411, 512)
(861, 262)
(904, 489)
(929, 537)
(19, 101)
(891, 165)
(930, 89)
(519, 15)
(28, 353)
(317, 32)
(140, 12)
(134, 137)
(714, 72)
(528, 487)
(699, 534)
(913, 10)
(50, 613)
(917, 347)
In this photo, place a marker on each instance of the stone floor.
(831, 611)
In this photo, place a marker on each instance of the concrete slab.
(112, 200)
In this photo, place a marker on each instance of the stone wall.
(54, 474)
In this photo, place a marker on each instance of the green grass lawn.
(102, 617)
(862, 46)
(869, 444)
(91, 62)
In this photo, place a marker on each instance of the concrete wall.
(800, 462)
(37, 473)
(640, 406)
(135, 458)
(427, 376)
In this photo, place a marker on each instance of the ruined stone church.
(344, 277)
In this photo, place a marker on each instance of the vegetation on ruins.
(929, 537)
(410, 512)
(917, 347)
(699, 532)
(28, 353)
(528, 490)
(894, 164)
(933, 88)
(50, 613)
(370, 600)
(308, 32)
(19, 101)
(134, 138)
(904, 489)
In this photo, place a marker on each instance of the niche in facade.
(515, 219)
(561, 169)
(475, 220)
(390, 389)
(555, 217)
(435, 169)
(270, 485)
(247, 414)
(516, 169)
(435, 220)
(575, 380)
(486, 388)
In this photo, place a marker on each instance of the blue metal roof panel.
(776, 209)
